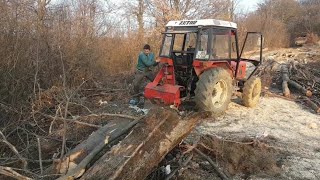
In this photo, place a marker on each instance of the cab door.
(251, 52)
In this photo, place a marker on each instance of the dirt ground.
(288, 126)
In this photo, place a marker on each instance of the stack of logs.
(286, 71)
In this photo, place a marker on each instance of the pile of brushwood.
(296, 73)
(122, 144)
(302, 79)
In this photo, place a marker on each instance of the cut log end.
(286, 94)
(285, 89)
(308, 93)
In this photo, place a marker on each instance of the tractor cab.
(191, 48)
(203, 43)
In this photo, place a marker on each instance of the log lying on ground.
(300, 88)
(285, 79)
(142, 150)
(94, 143)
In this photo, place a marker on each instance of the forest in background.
(76, 43)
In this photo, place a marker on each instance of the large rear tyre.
(251, 92)
(213, 91)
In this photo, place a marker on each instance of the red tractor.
(202, 60)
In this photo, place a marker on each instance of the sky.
(248, 5)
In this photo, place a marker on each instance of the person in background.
(146, 61)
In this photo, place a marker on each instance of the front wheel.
(214, 90)
(251, 92)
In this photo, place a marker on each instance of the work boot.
(134, 101)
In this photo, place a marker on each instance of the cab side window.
(221, 44)
(203, 52)
(166, 45)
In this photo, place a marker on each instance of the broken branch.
(183, 164)
(13, 149)
(40, 156)
(74, 121)
(113, 115)
(215, 167)
(8, 171)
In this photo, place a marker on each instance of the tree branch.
(8, 171)
(215, 167)
(13, 149)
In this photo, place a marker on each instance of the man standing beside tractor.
(146, 60)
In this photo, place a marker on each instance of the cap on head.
(147, 46)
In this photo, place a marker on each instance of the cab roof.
(202, 22)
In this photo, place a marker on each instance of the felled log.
(285, 79)
(92, 146)
(142, 150)
(300, 88)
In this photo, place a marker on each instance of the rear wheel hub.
(219, 94)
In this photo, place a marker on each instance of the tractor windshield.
(178, 41)
(222, 44)
(206, 44)
(216, 44)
